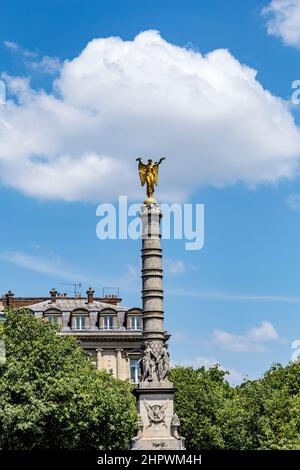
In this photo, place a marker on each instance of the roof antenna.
(76, 287)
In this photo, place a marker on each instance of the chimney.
(53, 294)
(9, 298)
(90, 295)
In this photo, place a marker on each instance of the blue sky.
(237, 300)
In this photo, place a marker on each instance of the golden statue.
(149, 174)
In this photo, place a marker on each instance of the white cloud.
(284, 20)
(120, 99)
(262, 333)
(53, 266)
(253, 341)
(13, 46)
(35, 263)
(46, 64)
(293, 202)
(174, 267)
(234, 377)
(34, 60)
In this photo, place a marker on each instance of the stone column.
(99, 358)
(152, 278)
(158, 423)
(127, 366)
(119, 363)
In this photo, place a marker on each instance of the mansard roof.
(70, 304)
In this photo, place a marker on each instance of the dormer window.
(108, 322)
(53, 318)
(136, 322)
(108, 319)
(80, 322)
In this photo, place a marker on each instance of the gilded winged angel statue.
(149, 174)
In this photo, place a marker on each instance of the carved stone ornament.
(156, 413)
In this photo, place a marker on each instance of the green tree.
(52, 396)
(199, 401)
(259, 414)
(265, 412)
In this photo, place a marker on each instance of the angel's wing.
(142, 172)
(155, 172)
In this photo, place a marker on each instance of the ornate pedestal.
(159, 425)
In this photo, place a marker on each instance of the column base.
(158, 425)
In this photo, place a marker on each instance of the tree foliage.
(199, 399)
(259, 414)
(52, 396)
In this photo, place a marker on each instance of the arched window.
(134, 320)
(80, 320)
(108, 319)
(53, 316)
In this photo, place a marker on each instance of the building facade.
(109, 332)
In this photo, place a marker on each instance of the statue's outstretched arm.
(159, 162)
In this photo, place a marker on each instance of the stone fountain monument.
(158, 424)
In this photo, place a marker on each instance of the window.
(136, 323)
(134, 370)
(79, 323)
(108, 322)
(53, 318)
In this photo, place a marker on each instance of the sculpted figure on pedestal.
(163, 364)
(154, 367)
(147, 364)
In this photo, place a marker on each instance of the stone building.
(109, 332)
